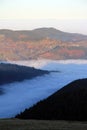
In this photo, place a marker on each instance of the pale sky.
(62, 12)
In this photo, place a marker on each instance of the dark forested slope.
(69, 103)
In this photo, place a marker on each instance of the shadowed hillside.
(69, 103)
(10, 73)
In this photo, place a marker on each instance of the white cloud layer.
(21, 95)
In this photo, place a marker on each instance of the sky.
(30, 14)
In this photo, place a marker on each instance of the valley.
(50, 59)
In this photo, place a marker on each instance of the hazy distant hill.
(47, 43)
(42, 33)
(69, 103)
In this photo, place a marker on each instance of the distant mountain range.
(47, 43)
(68, 103)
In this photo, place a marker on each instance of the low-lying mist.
(21, 95)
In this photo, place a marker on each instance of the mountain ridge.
(41, 33)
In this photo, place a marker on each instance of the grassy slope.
(15, 124)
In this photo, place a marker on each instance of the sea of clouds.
(21, 95)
